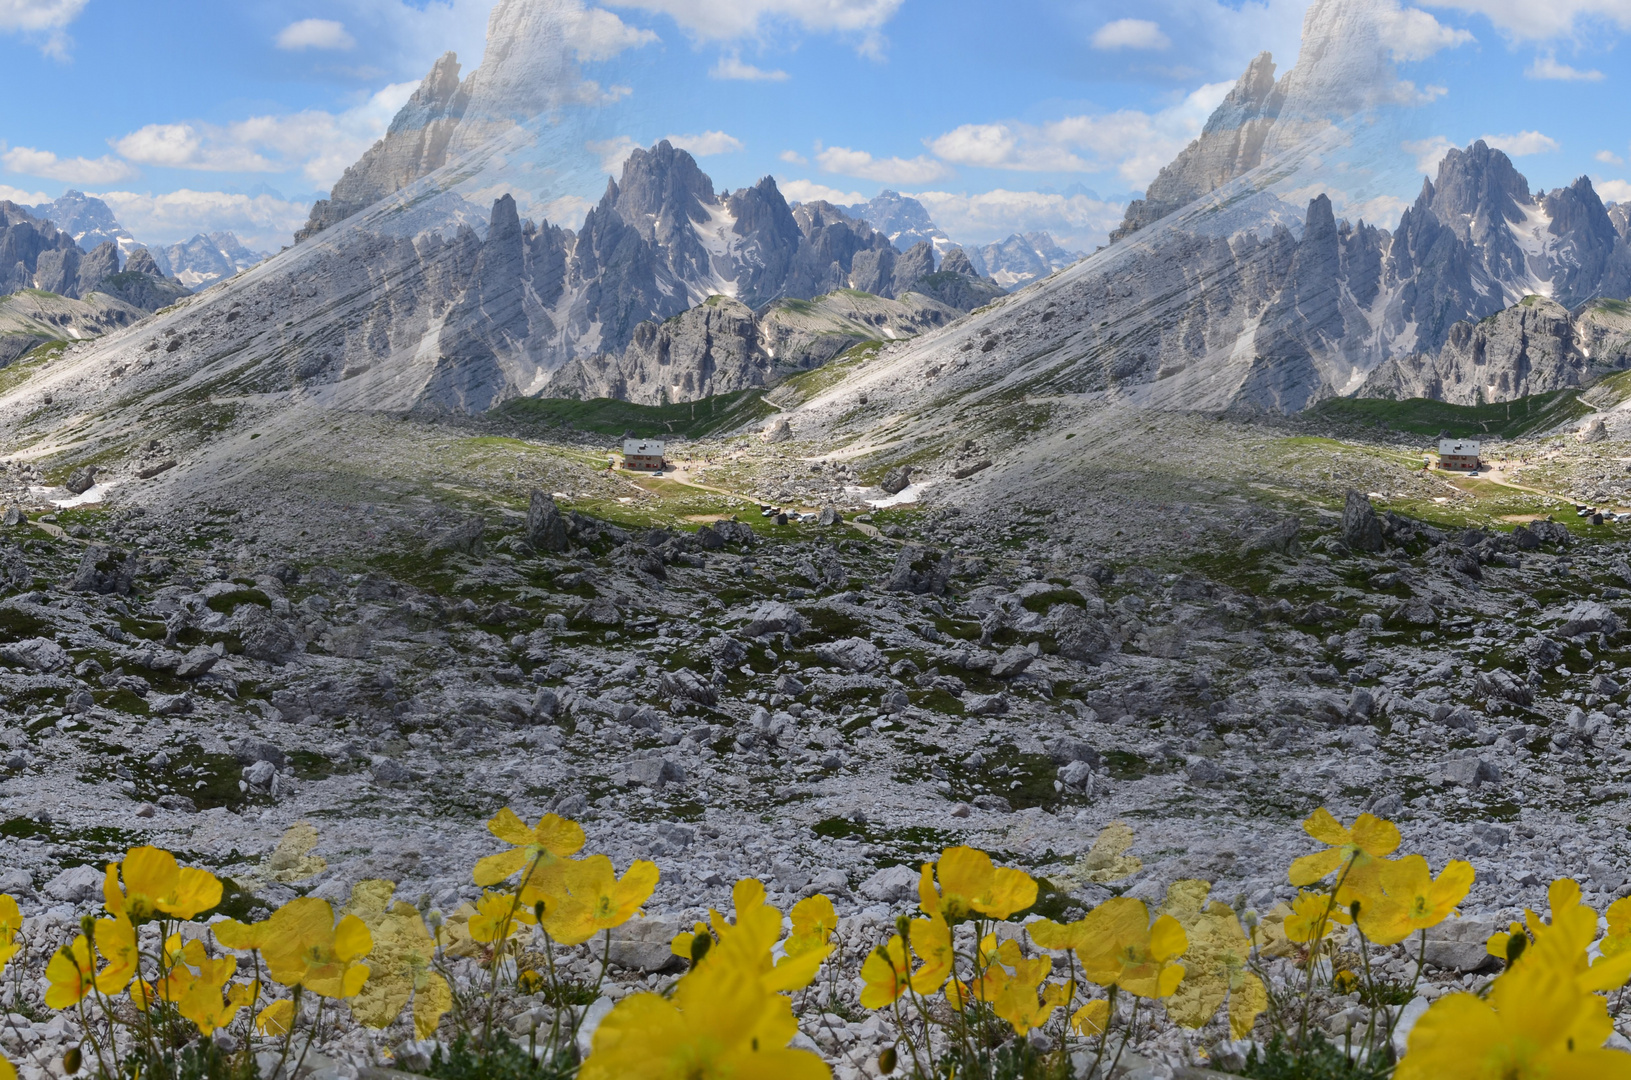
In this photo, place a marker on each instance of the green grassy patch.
(1423, 416)
(607, 416)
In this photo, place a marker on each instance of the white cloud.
(261, 221)
(1132, 143)
(793, 157)
(1524, 143)
(859, 163)
(600, 35)
(1524, 20)
(1130, 34)
(38, 15)
(724, 20)
(321, 145)
(42, 17)
(316, 34)
(1076, 221)
(1412, 34)
(612, 152)
(804, 191)
(27, 161)
(1547, 67)
(732, 67)
(1428, 152)
(24, 198)
(1609, 157)
(1613, 190)
(708, 143)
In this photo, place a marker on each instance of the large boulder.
(852, 654)
(264, 636)
(1080, 636)
(1361, 530)
(1279, 538)
(1589, 617)
(896, 480)
(546, 529)
(919, 570)
(774, 617)
(643, 945)
(104, 570)
(36, 654)
(463, 538)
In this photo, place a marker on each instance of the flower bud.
(1515, 945)
(71, 1061)
(700, 946)
(886, 1061)
(903, 927)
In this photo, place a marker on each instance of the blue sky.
(1001, 115)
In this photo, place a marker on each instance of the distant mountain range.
(197, 263)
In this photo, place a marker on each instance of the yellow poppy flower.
(498, 916)
(886, 974)
(276, 1018)
(1092, 1019)
(931, 943)
(116, 943)
(71, 975)
(8, 1071)
(305, 947)
(1215, 964)
(400, 964)
(553, 837)
(1312, 917)
(11, 921)
(155, 885)
(1411, 899)
(814, 920)
(200, 1000)
(1617, 940)
(1017, 1001)
(594, 898)
(684, 942)
(720, 1023)
(1536, 1022)
(748, 943)
(1124, 948)
(1369, 838)
(247, 937)
(970, 885)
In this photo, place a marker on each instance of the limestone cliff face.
(34, 254)
(722, 346)
(1230, 145)
(415, 145)
(1534, 347)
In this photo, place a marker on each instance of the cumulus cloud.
(793, 157)
(612, 152)
(1132, 143)
(1130, 34)
(1547, 67)
(804, 191)
(1412, 34)
(260, 221)
(1075, 220)
(27, 161)
(724, 20)
(600, 35)
(1609, 157)
(1526, 21)
(21, 197)
(1428, 152)
(858, 163)
(1524, 143)
(1613, 190)
(321, 145)
(315, 34)
(732, 67)
(42, 17)
(708, 143)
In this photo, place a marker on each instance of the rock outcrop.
(1534, 347)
